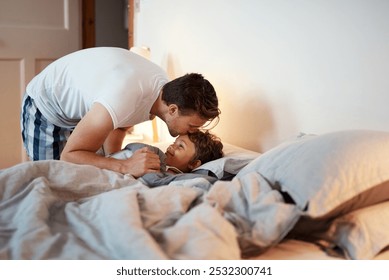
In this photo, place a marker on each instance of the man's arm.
(114, 141)
(91, 133)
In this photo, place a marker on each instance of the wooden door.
(33, 33)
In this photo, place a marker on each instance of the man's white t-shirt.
(125, 83)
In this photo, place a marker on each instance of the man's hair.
(192, 94)
(207, 146)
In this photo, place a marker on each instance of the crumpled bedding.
(59, 210)
(164, 178)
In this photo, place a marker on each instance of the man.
(87, 100)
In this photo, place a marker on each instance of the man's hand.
(141, 162)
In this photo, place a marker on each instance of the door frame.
(88, 24)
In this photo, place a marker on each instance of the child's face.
(180, 153)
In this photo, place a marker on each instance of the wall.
(279, 67)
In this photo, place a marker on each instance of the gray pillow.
(361, 234)
(330, 174)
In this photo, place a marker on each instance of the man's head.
(194, 149)
(191, 102)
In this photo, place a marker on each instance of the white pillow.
(326, 172)
(361, 234)
(234, 159)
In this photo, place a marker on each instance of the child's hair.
(208, 146)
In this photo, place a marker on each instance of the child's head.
(194, 149)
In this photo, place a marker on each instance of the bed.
(314, 197)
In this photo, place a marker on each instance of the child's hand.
(142, 161)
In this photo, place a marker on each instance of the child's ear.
(194, 164)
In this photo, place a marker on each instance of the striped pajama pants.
(41, 139)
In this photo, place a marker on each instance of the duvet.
(59, 210)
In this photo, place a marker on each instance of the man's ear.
(194, 164)
(173, 109)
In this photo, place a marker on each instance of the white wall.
(279, 67)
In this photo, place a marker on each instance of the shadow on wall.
(246, 120)
(171, 66)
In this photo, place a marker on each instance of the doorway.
(107, 23)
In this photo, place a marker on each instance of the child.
(186, 154)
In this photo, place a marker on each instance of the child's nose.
(171, 149)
